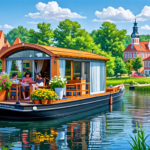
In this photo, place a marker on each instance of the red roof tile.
(17, 41)
(142, 46)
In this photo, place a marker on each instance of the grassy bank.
(142, 88)
(127, 80)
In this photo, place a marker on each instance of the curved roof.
(53, 51)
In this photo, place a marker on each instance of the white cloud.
(115, 15)
(33, 22)
(52, 12)
(146, 27)
(145, 14)
(8, 26)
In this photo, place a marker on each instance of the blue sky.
(89, 13)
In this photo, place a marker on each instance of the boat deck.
(69, 98)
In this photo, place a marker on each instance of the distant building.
(4, 42)
(137, 48)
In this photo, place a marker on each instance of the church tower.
(135, 34)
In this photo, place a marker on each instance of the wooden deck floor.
(28, 102)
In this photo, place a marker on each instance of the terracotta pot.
(33, 101)
(44, 102)
(37, 101)
(3, 95)
(77, 78)
(50, 101)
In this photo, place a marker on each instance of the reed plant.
(139, 140)
(142, 88)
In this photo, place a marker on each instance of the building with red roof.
(141, 49)
(4, 42)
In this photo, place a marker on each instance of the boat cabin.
(84, 69)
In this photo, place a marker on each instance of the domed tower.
(135, 34)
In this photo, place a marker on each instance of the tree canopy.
(70, 35)
(137, 63)
(110, 38)
(20, 32)
(120, 66)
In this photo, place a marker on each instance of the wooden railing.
(76, 88)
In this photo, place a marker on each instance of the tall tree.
(137, 63)
(70, 35)
(129, 66)
(110, 38)
(126, 41)
(20, 32)
(44, 36)
(120, 66)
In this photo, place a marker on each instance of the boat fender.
(18, 102)
(111, 99)
(34, 108)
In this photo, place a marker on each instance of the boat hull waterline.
(55, 110)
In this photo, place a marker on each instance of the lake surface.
(100, 129)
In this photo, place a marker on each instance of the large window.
(28, 53)
(68, 70)
(77, 70)
(27, 66)
(14, 66)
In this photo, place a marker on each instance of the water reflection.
(60, 134)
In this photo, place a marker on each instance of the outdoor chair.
(15, 90)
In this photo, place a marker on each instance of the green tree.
(126, 41)
(70, 35)
(137, 63)
(129, 66)
(20, 32)
(110, 38)
(110, 66)
(120, 66)
(43, 37)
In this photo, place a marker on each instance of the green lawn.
(127, 80)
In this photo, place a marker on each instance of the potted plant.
(5, 83)
(35, 96)
(58, 84)
(77, 78)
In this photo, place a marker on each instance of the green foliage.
(110, 39)
(137, 63)
(57, 82)
(20, 32)
(120, 66)
(70, 35)
(0, 65)
(5, 82)
(129, 65)
(43, 37)
(127, 80)
(127, 41)
(139, 140)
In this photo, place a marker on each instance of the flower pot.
(77, 78)
(50, 101)
(37, 101)
(33, 101)
(59, 92)
(3, 95)
(44, 102)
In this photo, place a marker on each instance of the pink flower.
(4, 85)
(2, 82)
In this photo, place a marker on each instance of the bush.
(5, 82)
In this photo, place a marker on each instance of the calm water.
(93, 130)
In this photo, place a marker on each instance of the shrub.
(5, 82)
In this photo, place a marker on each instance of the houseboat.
(85, 72)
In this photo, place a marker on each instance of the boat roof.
(54, 51)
